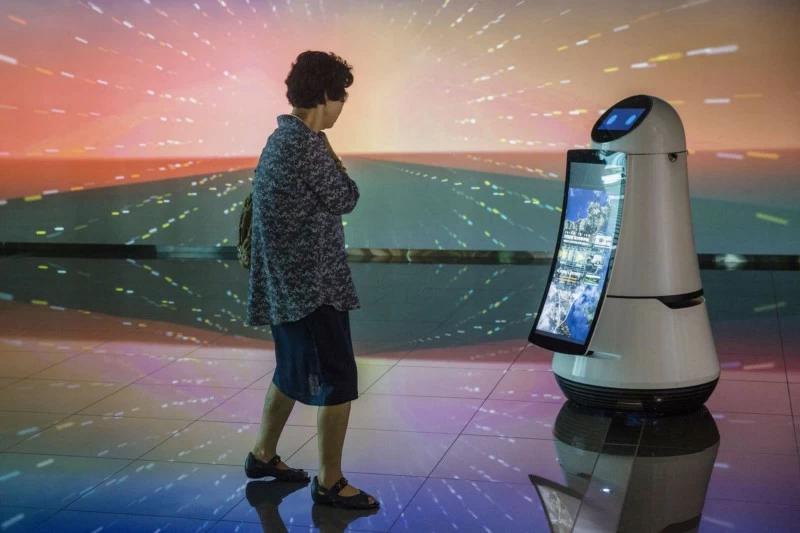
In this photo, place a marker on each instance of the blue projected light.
(621, 119)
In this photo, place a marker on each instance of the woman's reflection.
(266, 497)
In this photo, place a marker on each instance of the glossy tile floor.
(130, 394)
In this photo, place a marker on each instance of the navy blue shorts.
(316, 365)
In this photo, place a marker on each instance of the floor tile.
(22, 477)
(243, 406)
(791, 357)
(100, 436)
(86, 521)
(16, 426)
(224, 443)
(37, 342)
(412, 413)
(462, 505)
(528, 385)
(19, 519)
(444, 382)
(754, 477)
(50, 396)
(161, 349)
(534, 358)
(507, 459)
(729, 515)
(161, 401)
(168, 489)
(750, 397)
(756, 433)
(794, 395)
(747, 367)
(211, 372)
(383, 452)
(507, 418)
(109, 368)
(487, 355)
(23, 364)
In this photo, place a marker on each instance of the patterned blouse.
(298, 259)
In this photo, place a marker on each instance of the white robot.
(623, 309)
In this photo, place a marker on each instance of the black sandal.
(256, 468)
(331, 496)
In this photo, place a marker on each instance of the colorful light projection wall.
(117, 93)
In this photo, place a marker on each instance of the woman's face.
(333, 108)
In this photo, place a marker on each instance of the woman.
(300, 281)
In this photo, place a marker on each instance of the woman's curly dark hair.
(315, 74)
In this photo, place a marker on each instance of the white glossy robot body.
(652, 347)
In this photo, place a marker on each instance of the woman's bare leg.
(277, 408)
(332, 427)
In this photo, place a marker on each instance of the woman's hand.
(335, 157)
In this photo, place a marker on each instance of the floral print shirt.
(298, 259)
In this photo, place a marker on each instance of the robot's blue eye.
(622, 119)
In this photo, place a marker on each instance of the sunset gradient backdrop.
(171, 88)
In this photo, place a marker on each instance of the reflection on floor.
(130, 394)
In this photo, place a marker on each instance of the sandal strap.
(274, 461)
(338, 486)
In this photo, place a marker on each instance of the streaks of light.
(772, 218)
(642, 65)
(622, 28)
(717, 101)
(712, 51)
(490, 23)
(503, 44)
(730, 155)
(609, 70)
(671, 56)
(8, 59)
(493, 74)
(18, 20)
(583, 42)
(763, 155)
(688, 5)
(461, 17)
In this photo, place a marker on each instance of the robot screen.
(590, 224)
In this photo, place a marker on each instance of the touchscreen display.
(621, 118)
(590, 225)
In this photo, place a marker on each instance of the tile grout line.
(795, 426)
(460, 433)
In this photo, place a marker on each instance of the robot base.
(651, 401)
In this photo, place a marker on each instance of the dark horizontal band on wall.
(367, 255)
